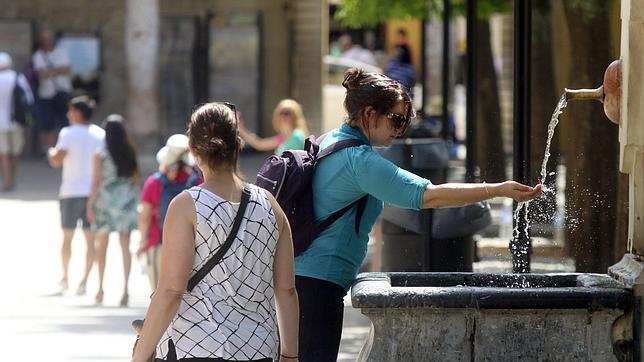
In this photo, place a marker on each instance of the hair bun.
(217, 146)
(352, 78)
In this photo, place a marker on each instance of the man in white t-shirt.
(53, 68)
(355, 51)
(11, 133)
(77, 144)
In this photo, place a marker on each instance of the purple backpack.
(288, 177)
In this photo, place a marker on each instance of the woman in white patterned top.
(234, 312)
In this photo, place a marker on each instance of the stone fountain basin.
(492, 317)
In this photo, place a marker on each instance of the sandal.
(63, 285)
(81, 289)
(99, 297)
(124, 300)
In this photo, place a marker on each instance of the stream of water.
(519, 251)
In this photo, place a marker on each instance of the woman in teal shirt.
(290, 125)
(379, 110)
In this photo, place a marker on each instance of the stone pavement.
(36, 322)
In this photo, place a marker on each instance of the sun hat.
(175, 150)
(5, 61)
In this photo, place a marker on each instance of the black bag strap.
(199, 275)
(360, 202)
(340, 145)
(336, 215)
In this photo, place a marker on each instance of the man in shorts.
(77, 144)
(11, 132)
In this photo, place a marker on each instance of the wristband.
(486, 190)
(288, 357)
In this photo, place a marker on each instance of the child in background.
(176, 173)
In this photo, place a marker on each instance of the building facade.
(252, 53)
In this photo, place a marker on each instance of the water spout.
(610, 93)
(585, 94)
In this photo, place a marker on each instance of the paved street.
(36, 321)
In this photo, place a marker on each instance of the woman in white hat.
(176, 173)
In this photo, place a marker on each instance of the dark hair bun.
(217, 146)
(352, 78)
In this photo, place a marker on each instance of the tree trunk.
(141, 49)
(489, 148)
(590, 145)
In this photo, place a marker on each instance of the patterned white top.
(230, 314)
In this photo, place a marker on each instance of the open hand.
(518, 192)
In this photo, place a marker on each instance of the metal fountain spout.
(609, 93)
(585, 94)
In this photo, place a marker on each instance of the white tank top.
(230, 314)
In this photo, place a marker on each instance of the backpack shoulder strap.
(192, 180)
(201, 273)
(162, 179)
(340, 145)
(361, 202)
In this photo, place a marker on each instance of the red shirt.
(151, 194)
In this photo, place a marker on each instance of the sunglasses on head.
(400, 121)
(231, 106)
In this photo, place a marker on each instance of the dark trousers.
(321, 312)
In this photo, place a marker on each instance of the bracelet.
(288, 357)
(486, 190)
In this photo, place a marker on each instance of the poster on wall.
(16, 39)
(84, 51)
(234, 63)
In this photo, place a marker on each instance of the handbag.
(206, 268)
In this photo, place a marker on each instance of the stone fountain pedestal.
(493, 317)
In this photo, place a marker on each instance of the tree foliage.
(369, 13)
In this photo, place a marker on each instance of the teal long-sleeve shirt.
(340, 179)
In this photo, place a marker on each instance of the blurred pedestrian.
(290, 125)
(12, 85)
(176, 173)
(54, 87)
(233, 312)
(112, 204)
(399, 68)
(77, 144)
(379, 110)
(354, 51)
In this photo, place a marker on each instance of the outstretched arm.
(258, 143)
(458, 194)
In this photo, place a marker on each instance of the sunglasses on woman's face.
(400, 121)
(286, 113)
